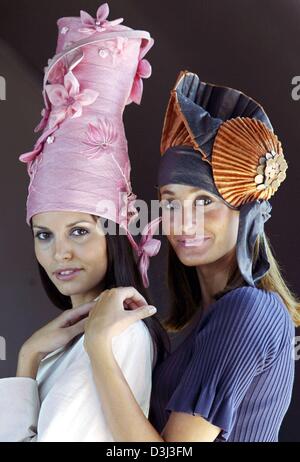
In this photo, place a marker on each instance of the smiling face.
(198, 241)
(74, 242)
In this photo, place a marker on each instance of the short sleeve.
(19, 405)
(133, 350)
(243, 335)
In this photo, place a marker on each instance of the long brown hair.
(122, 271)
(185, 291)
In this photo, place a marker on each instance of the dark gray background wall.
(252, 45)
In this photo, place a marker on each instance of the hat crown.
(81, 159)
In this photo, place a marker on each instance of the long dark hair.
(185, 291)
(122, 271)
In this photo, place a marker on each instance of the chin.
(65, 292)
(189, 257)
(193, 261)
(69, 289)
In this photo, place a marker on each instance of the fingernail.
(152, 309)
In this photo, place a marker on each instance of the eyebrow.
(168, 192)
(68, 226)
(171, 193)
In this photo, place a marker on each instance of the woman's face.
(71, 241)
(201, 241)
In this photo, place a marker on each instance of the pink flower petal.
(86, 19)
(57, 94)
(102, 12)
(38, 147)
(30, 156)
(45, 113)
(116, 22)
(87, 30)
(71, 84)
(87, 97)
(137, 91)
(144, 69)
(76, 110)
(57, 116)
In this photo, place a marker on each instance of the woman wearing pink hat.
(79, 200)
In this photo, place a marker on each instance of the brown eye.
(82, 232)
(204, 200)
(42, 236)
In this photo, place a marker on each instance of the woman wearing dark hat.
(231, 378)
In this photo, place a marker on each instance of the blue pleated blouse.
(235, 369)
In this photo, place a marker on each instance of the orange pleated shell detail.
(247, 161)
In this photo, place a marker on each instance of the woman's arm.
(54, 335)
(19, 396)
(20, 406)
(28, 363)
(125, 418)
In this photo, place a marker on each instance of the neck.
(213, 277)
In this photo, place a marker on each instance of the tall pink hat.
(80, 162)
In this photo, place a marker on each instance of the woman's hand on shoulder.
(54, 335)
(116, 309)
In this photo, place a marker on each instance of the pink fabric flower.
(147, 248)
(43, 123)
(127, 211)
(99, 24)
(144, 71)
(100, 137)
(56, 76)
(67, 100)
